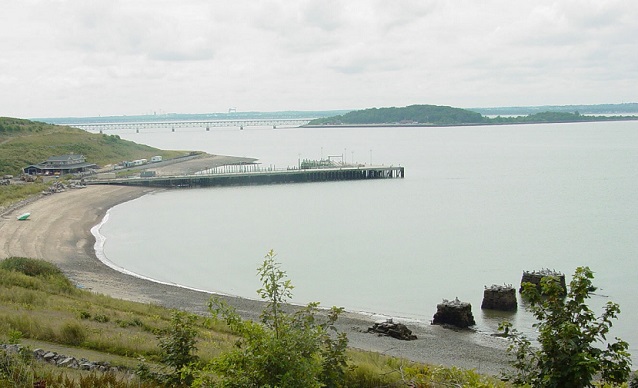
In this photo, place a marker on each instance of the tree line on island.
(437, 115)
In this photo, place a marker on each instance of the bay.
(478, 206)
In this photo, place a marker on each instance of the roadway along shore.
(59, 231)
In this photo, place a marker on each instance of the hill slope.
(421, 114)
(24, 142)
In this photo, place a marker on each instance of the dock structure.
(246, 177)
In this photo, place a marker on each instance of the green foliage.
(39, 307)
(284, 349)
(424, 114)
(24, 142)
(14, 193)
(36, 309)
(376, 370)
(568, 332)
(19, 370)
(49, 276)
(178, 346)
(30, 267)
(14, 336)
(72, 333)
(445, 115)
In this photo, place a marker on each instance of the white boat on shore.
(23, 216)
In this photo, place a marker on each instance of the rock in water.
(455, 313)
(501, 298)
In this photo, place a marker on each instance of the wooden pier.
(260, 177)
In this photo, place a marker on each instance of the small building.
(60, 165)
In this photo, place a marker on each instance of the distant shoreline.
(428, 125)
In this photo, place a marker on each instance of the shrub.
(284, 349)
(30, 267)
(72, 334)
(178, 347)
(37, 268)
(102, 318)
(567, 333)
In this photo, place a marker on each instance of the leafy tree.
(178, 343)
(285, 349)
(178, 346)
(568, 332)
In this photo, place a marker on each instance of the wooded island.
(436, 115)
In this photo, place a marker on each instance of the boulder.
(455, 313)
(392, 329)
(501, 298)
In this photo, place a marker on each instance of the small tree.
(178, 347)
(284, 349)
(568, 332)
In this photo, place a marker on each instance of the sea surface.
(478, 206)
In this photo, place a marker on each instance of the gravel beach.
(59, 231)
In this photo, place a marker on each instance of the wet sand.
(59, 231)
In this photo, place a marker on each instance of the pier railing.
(250, 174)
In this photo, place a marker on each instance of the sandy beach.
(59, 231)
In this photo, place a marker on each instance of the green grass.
(39, 307)
(24, 142)
(13, 193)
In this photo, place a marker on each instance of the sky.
(64, 58)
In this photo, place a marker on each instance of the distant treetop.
(413, 114)
(435, 115)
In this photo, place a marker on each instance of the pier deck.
(248, 176)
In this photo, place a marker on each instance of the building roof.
(65, 158)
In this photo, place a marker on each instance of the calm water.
(477, 207)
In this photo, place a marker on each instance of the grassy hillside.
(24, 142)
(41, 308)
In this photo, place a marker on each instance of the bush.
(40, 269)
(283, 350)
(30, 267)
(178, 347)
(72, 334)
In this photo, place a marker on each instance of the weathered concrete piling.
(535, 277)
(454, 312)
(501, 298)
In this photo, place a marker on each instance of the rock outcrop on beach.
(393, 329)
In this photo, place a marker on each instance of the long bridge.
(204, 124)
(243, 175)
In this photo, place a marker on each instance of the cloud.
(128, 57)
(129, 29)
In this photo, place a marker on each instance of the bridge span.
(204, 124)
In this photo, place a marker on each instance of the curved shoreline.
(59, 231)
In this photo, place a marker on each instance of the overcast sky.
(107, 57)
